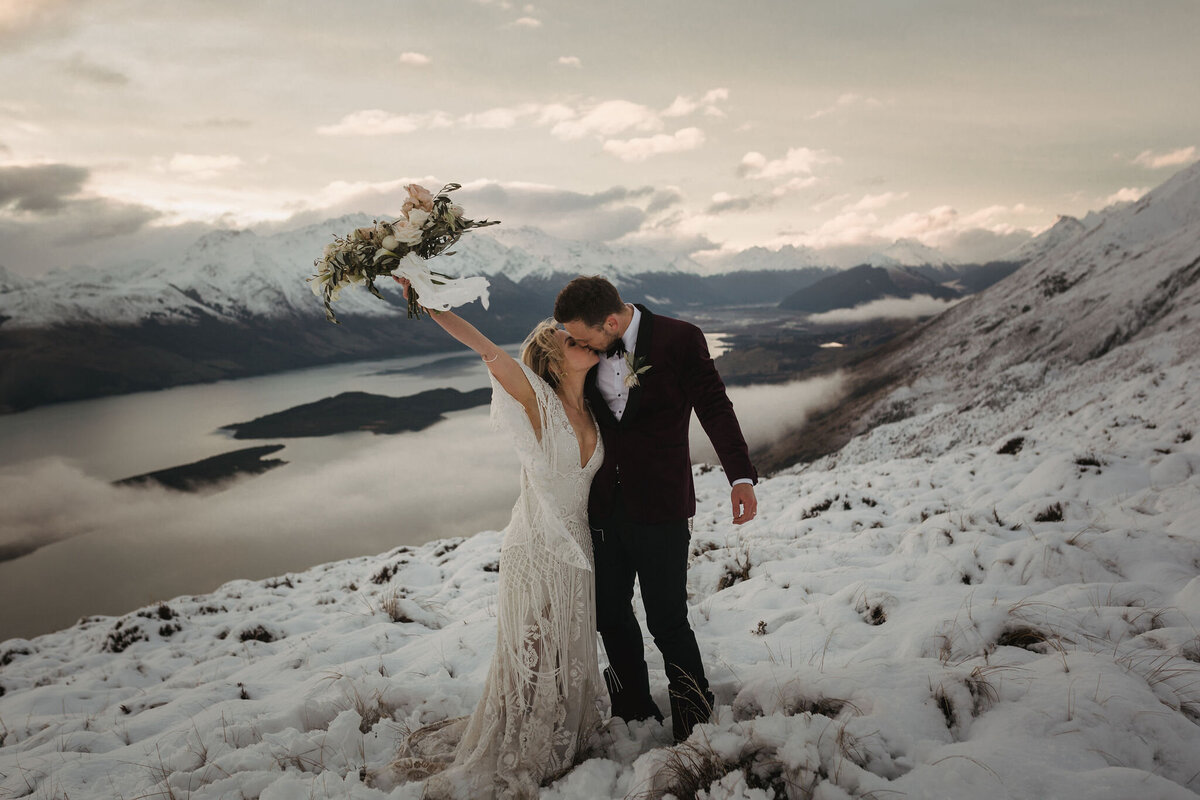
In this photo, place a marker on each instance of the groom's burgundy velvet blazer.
(646, 451)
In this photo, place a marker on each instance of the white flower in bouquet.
(429, 224)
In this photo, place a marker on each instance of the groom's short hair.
(589, 299)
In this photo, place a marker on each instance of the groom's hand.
(745, 504)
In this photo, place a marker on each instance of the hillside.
(1131, 279)
(863, 284)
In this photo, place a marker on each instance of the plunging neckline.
(575, 435)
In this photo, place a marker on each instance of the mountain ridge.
(1131, 277)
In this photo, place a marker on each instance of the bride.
(539, 707)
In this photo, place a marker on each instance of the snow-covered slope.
(908, 253)
(1131, 278)
(1065, 229)
(224, 274)
(921, 626)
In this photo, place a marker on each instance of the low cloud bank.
(768, 412)
(106, 550)
(921, 305)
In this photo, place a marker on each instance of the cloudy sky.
(693, 126)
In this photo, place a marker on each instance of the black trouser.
(657, 554)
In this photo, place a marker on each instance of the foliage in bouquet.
(429, 224)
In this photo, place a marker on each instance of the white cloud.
(708, 103)
(874, 202)
(200, 166)
(768, 412)
(17, 15)
(415, 59)
(846, 101)
(851, 227)
(723, 202)
(570, 61)
(493, 119)
(527, 22)
(643, 148)
(1174, 158)
(377, 122)
(885, 308)
(608, 118)
(797, 161)
(848, 237)
(1125, 195)
(922, 225)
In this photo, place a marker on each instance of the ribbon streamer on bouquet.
(439, 293)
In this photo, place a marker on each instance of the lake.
(103, 549)
(114, 549)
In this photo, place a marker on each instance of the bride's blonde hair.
(543, 354)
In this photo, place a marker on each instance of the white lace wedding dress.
(540, 704)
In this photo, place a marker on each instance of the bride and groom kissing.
(598, 411)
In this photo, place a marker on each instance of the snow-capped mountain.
(862, 284)
(523, 252)
(1065, 229)
(238, 274)
(788, 257)
(909, 253)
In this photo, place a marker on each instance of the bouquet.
(428, 225)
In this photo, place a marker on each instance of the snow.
(530, 252)
(908, 253)
(786, 257)
(237, 274)
(896, 620)
(1065, 229)
(996, 595)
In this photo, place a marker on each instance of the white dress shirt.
(612, 370)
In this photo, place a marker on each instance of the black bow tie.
(617, 349)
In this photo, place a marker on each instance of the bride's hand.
(405, 283)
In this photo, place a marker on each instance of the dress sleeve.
(509, 416)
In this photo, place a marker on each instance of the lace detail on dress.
(540, 704)
(552, 481)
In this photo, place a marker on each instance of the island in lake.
(344, 413)
(360, 411)
(208, 472)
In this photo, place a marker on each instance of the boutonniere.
(636, 368)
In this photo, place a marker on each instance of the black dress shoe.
(689, 710)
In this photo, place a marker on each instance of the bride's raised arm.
(507, 369)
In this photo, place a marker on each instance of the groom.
(653, 372)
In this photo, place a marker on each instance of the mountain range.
(235, 303)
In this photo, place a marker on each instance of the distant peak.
(908, 253)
